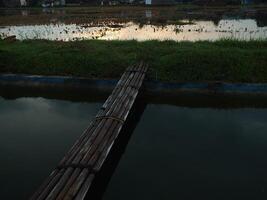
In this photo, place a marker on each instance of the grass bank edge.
(224, 60)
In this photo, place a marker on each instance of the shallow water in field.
(201, 30)
(145, 24)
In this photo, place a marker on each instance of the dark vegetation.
(16, 3)
(160, 15)
(226, 60)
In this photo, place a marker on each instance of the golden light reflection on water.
(199, 30)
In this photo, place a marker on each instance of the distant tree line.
(12, 3)
(227, 2)
(260, 1)
(217, 2)
(35, 2)
(83, 1)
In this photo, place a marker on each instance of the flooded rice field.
(176, 150)
(167, 23)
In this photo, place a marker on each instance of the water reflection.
(185, 153)
(175, 151)
(159, 23)
(197, 30)
(35, 134)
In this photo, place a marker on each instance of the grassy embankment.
(230, 61)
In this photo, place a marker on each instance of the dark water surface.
(194, 153)
(35, 134)
(176, 151)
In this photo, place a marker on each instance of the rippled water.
(147, 25)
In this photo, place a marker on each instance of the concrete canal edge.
(152, 87)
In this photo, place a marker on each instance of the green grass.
(226, 60)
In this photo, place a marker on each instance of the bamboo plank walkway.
(73, 176)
